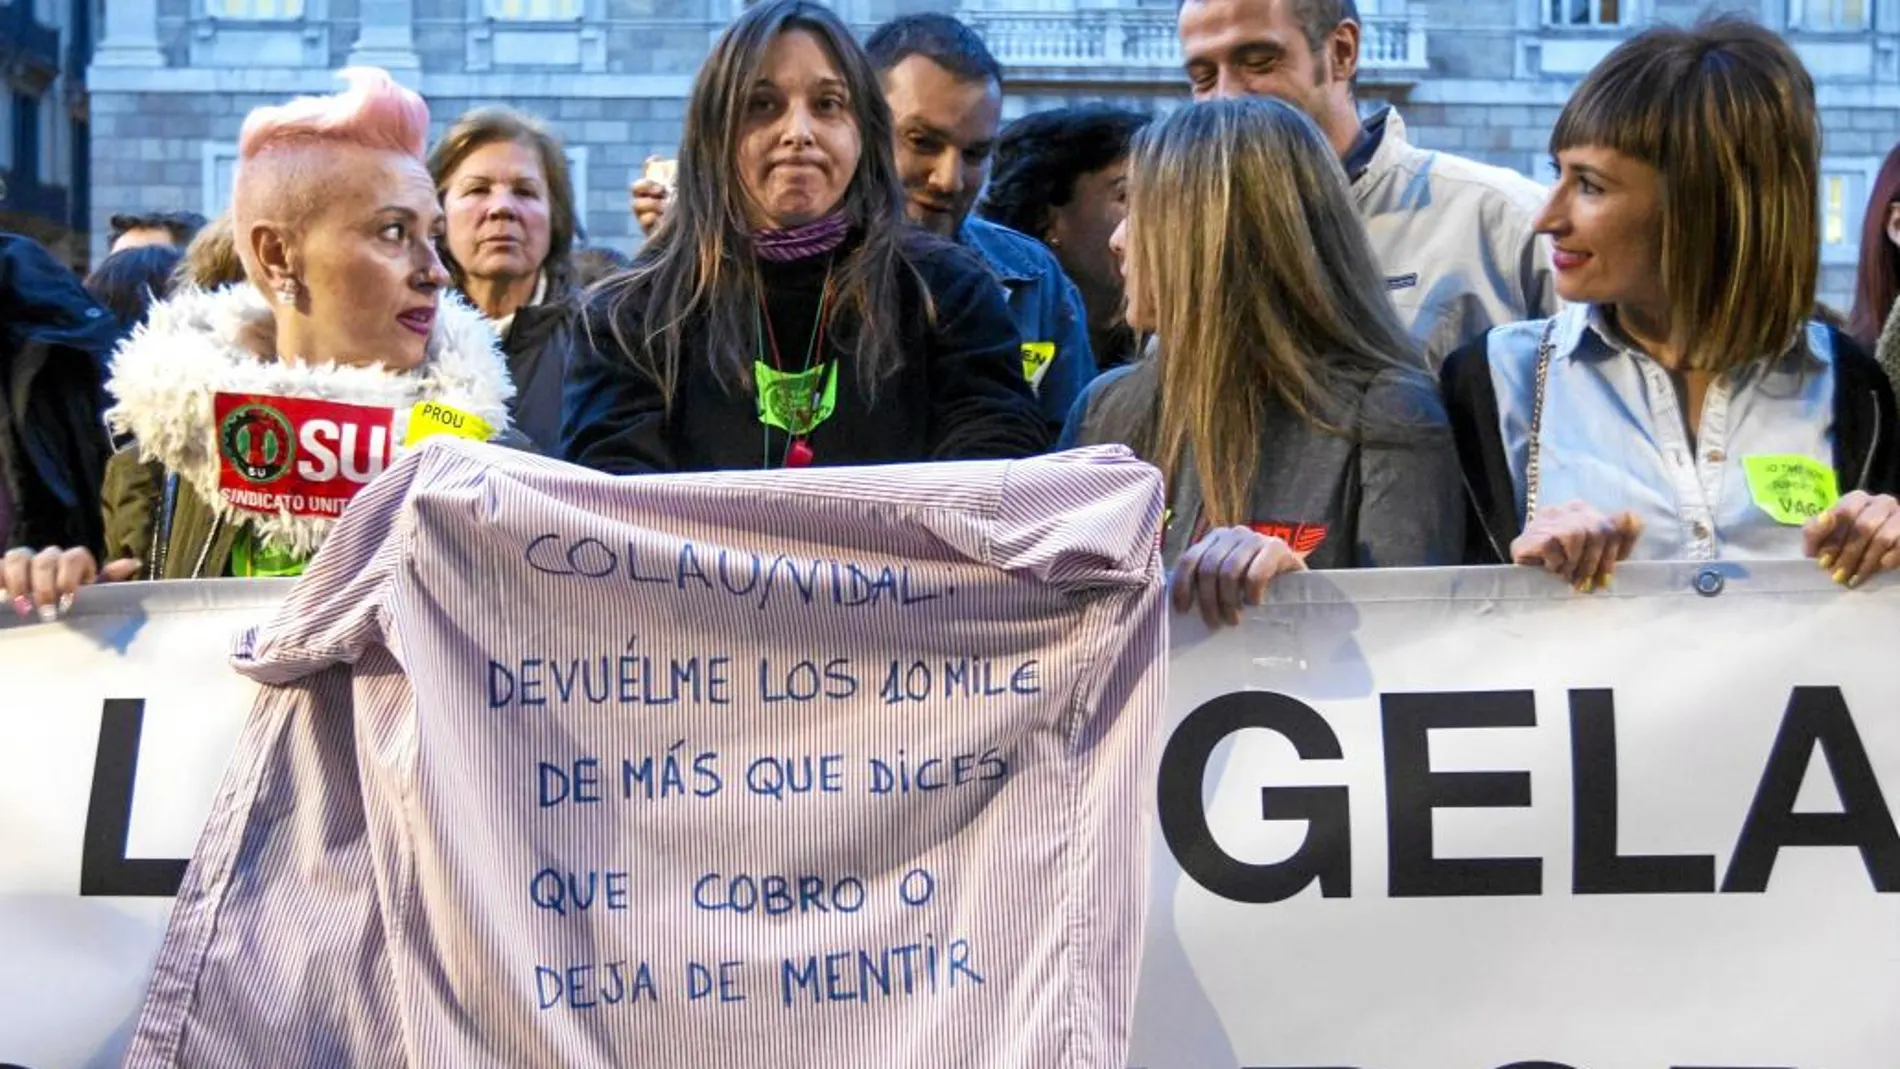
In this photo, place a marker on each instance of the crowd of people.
(1342, 350)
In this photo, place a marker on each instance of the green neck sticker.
(1790, 487)
(796, 401)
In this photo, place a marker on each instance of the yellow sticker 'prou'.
(1037, 356)
(430, 418)
(1790, 487)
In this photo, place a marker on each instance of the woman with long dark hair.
(783, 314)
(1872, 322)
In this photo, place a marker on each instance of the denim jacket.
(1047, 310)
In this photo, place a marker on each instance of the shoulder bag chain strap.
(1544, 348)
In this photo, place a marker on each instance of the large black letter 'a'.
(1816, 717)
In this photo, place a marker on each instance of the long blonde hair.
(1252, 264)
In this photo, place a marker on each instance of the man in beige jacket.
(1452, 235)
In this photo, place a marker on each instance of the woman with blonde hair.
(1684, 406)
(211, 260)
(1280, 394)
(329, 350)
(784, 314)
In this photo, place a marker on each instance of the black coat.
(539, 346)
(958, 395)
(55, 342)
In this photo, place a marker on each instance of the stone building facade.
(172, 79)
(45, 151)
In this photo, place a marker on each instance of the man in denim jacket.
(946, 95)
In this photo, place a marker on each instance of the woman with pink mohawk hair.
(258, 409)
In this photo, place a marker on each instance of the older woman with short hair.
(503, 180)
(1684, 406)
(783, 314)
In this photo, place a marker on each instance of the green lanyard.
(250, 560)
(795, 402)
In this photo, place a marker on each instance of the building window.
(532, 10)
(219, 161)
(1844, 186)
(261, 35)
(577, 181)
(1586, 13)
(1842, 202)
(548, 34)
(54, 168)
(1828, 16)
(256, 10)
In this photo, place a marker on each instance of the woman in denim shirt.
(1683, 407)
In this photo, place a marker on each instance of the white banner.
(115, 727)
(1469, 820)
(1411, 820)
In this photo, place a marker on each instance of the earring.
(287, 291)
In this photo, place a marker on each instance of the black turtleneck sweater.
(959, 393)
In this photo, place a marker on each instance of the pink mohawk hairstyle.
(286, 151)
(374, 112)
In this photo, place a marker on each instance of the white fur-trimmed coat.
(193, 346)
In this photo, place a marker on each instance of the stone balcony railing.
(1146, 41)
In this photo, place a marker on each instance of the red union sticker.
(1301, 538)
(298, 455)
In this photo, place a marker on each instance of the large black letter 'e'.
(1413, 790)
(1326, 855)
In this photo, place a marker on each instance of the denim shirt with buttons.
(1614, 435)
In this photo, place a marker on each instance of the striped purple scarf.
(800, 242)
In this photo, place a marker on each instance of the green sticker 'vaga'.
(1790, 487)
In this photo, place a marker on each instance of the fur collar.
(164, 376)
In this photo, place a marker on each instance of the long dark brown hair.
(1249, 259)
(697, 269)
(1878, 281)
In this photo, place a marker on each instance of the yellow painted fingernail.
(1827, 561)
(1854, 582)
(1588, 585)
(1841, 576)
